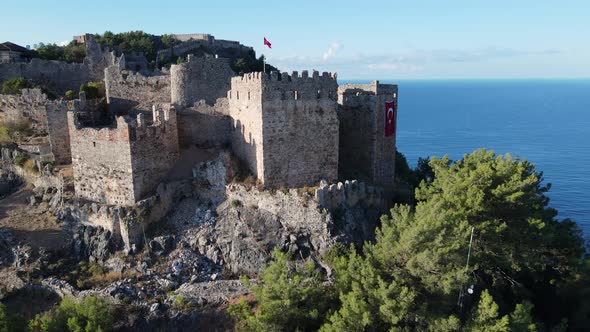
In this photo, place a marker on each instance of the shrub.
(70, 95)
(93, 90)
(10, 322)
(31, 166)
(90, 314)
(20, 159)
(15, 131)
(236, 203)
(14, 86)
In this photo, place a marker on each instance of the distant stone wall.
(365, 152)
(200, 78)
(349, 194)
(204, 43)
(59, 76)
(154, 149)
(127, 90)
(205, 126)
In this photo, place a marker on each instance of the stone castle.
(288, 130)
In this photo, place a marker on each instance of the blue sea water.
(545, 121)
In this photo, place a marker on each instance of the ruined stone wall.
(245, 110)
(59, 76)
(29, 106)
(101, 160)
(47, 117)
(300, 129)
(154, 149)
(128, 90)
(365, 152)
(200, 78)
(205, 126)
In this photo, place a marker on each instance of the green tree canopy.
(289, 297)
(92, 314)
(411, 276)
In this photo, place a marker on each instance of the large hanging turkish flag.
(390, 110)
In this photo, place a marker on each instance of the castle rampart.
(348, 194)
(286, 126)
(59, 76)
(365, 152)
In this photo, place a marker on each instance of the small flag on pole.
(390, 110)
(267, 43)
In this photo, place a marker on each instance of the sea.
(546, 122)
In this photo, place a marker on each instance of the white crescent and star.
(390, 114)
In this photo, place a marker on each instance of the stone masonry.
(119, 165)
(47, 118)
(285, 127)
(365, 152)
(200, 78)
(128, 90)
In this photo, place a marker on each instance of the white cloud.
(64, 43)
(331, 52)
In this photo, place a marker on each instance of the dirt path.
(34, 225)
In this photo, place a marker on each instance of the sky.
(387, 40)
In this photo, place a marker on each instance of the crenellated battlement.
(163, 122)
(357, 94)
(349, 194)
(277, 86)
(275, 76)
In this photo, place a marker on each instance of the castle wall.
(154, 149)
(101, 160)
(200, 78)
(128, 90)
(205, 126)
(365, 151)
(59, 76)
(349, 194)
(245, 110)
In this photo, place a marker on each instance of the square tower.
(366, 153)
(285, 127)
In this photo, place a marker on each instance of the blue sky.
(436, 39)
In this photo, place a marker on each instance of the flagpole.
(264, 63)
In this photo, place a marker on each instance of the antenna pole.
(460, 301)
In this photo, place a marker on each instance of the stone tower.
(365, 152)
(285, 127)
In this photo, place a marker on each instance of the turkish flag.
(390, 115)
(267, 43)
